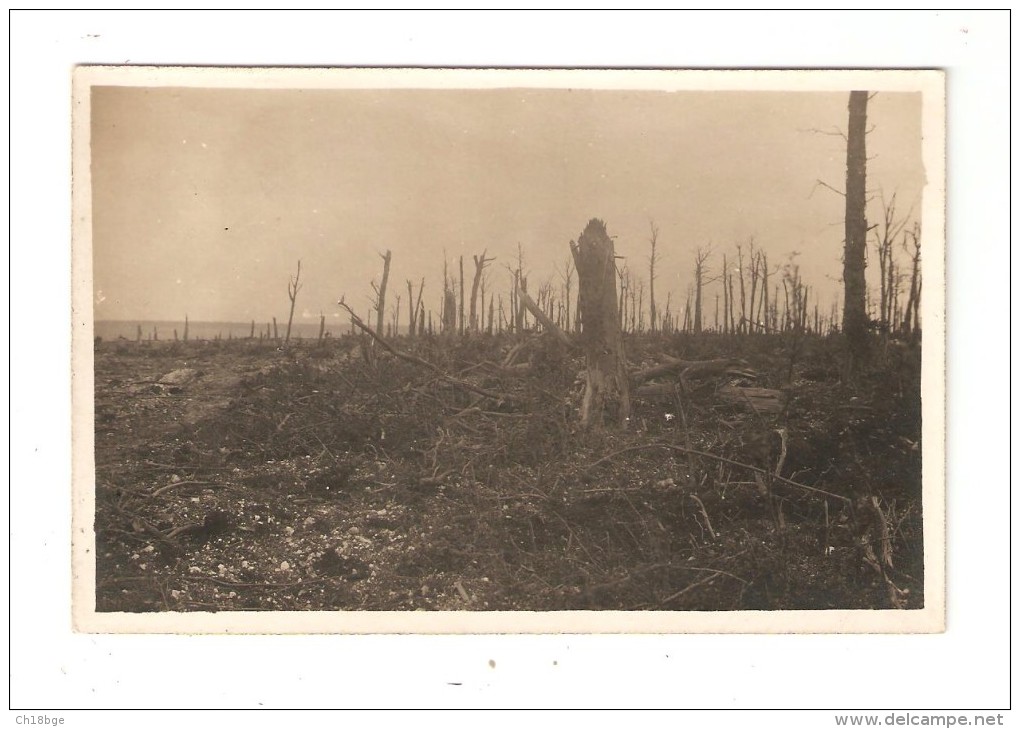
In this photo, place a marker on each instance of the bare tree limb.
(836, 132)
(549, 324)
(499, 397)
(689, 367)
(819, 183)
(714, 457)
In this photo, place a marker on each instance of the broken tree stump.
(607, 386)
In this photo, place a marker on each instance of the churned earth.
(240, 475)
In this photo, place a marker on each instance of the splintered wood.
(759, 399)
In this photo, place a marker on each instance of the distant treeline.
(129, 329)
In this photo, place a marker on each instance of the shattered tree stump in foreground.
(606, 383)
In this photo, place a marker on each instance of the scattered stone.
(179, 377)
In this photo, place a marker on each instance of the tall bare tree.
(521, 282)
(855, 316)
(448, 314)
(480, 263)
(885, 237)
(413, 307)
(728, 286)
(293, 286)
(380, 294)
(911, 318)
(742, 324)
(624, 275)
(701, 256)
(462, 294)
(652, 260)
(763, 306)
(752, 254)
(568, 281)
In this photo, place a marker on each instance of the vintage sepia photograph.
(408, 350)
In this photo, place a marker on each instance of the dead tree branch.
(407, 357)
(549, 324)
(714, 457)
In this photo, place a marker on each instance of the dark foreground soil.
(339, 477)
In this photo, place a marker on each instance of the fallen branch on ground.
(181, 484)
(691, 369)
(414, 359)
(714, 457)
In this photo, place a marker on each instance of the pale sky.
(205, 199)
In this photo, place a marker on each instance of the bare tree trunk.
(743, 295)
(395, 324)
(293, 286)
(446, 288)
(380, 294)
(651, 275)
(480, 263)
(185, 327)
(449, 311)
(892, 294)
(775, 308)
(606, 383)
(687, 312)
(462, 295)
(855, 317)
(752, 319)
(786, 310)
(481, 297)
(726, 295)
(640, 307)
(700, 270)
(729, 287)
(915, 280)
(522, 284)
(412, 310)
(633, 306)
(568, 286)
(623, 276)
(322, 326)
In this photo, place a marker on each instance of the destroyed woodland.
(567, 451)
